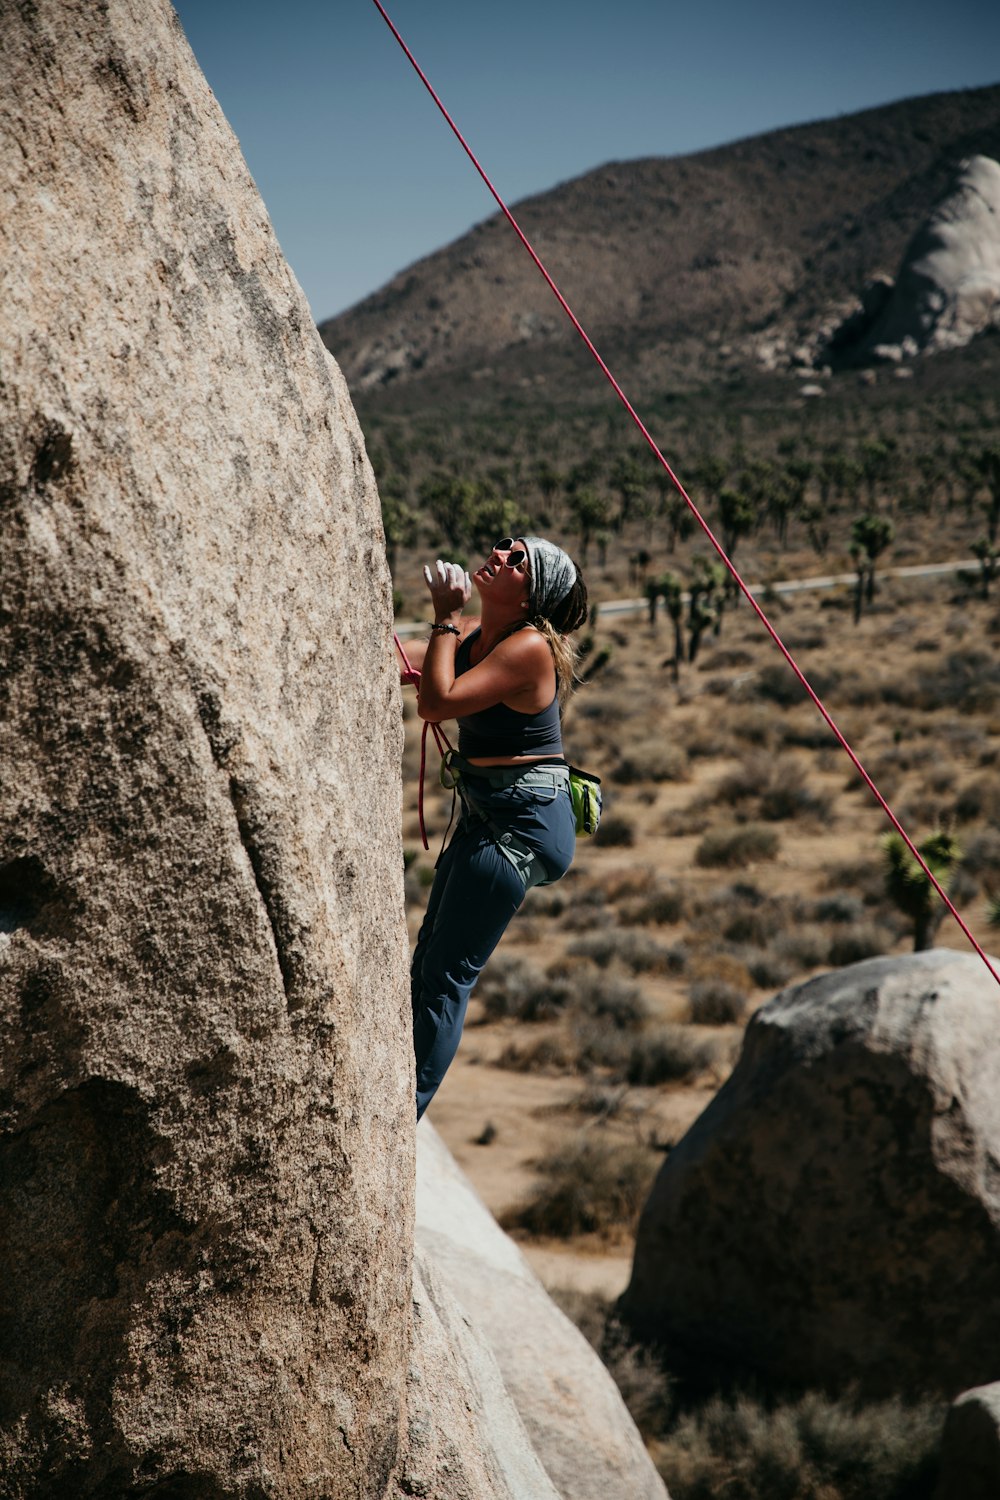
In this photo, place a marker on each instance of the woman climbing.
(504, 677)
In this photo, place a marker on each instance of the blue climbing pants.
(517, 829)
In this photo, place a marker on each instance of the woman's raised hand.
(450, 587)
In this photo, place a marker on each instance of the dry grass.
(594, 1186)
(812, 1448)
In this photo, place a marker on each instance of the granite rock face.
(834, 1214)
(575, 1418)
(948, 287)
(206, 1107)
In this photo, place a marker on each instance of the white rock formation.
(948, 287)
(570, 1406)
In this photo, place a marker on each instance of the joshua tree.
(706, 601)
(638, 567)
(988, 558)
(669, 588)
(817, 528)
(675, 511)
(590, 512)
(987, 462)
(870, 535)
(629, 481)
(908, 886)
(878, 464)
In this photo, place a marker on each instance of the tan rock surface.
(205, 1076)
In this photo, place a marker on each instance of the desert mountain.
(677, 266)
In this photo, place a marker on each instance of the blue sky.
(361, 176)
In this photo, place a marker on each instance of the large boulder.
(570, 1406)
(948, 287)
(206, 1100)
(970, 1447)
(834, 1214)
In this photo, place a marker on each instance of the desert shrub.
(594, 1186)
(774, 789)
(807, 946)
(670, 1054)
(594, 1045)
(615, 832)
(703, 741)
(714, 1002)
(861, 690)
(745, 914)
(645, 1386)
(746, 783)
(813, 1448)
(611, 703)
(638, 951)
(967, 680)
(733, 846)
(549, 1054)
(585, 918)
(651, 760)
(789, 796)
(978, 801)
(865, 880)
(860, 941)
(661, 906)
(769, 971)
(777, 683)
(839, 908)
(609, 999)
(511, 986)
(588, 1310)
(982, 854)
(546, 901)
(600, 1099)
(754, 725)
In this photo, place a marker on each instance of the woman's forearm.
(437, 676)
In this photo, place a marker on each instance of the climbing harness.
(682, 492)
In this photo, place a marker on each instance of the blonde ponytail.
(564, 654)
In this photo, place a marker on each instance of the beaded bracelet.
(445, 630)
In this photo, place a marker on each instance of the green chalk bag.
(585, 791)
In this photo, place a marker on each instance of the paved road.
(612, 607)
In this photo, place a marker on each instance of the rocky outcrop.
(570, 1406)
(970, 1447)
(834, 1214)
(948, 288)
(206, 1111)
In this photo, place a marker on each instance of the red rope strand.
(737, 579)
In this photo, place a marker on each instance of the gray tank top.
(501, 730)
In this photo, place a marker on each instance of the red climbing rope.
(737, 579)
(410, 674)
